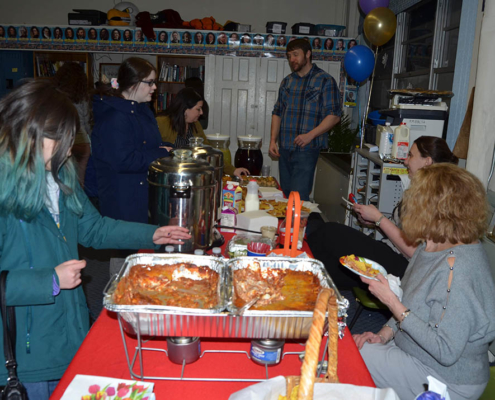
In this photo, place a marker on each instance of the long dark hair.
(32, 112)
(436, 148)
(187, 98)
(72, 80)
(131, 72)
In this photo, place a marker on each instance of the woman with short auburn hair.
(444, 322)
(443, 207)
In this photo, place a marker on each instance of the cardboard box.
(232, 195)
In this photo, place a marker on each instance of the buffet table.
(102, 353)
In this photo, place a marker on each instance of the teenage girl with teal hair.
(44, 215)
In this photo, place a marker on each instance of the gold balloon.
(379, 25)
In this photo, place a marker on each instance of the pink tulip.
(93, 389)
(111, 391)
(122, 392)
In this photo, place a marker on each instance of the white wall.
(254, 12)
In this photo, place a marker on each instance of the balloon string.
(365, 115)
(359, 109)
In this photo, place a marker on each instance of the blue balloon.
(359, 62)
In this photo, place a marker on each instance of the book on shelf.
(48, 68)
(164, 99)
(179, 73)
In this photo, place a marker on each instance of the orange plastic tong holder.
(290, 243)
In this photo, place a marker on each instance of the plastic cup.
(265, 170)
(302, 229)
(257, 249)
(268, 232)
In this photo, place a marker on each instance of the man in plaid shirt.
(308, 106)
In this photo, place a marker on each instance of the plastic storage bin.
(329, 30)
(276, 27)
(303, 28)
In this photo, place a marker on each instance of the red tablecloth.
(102, 353)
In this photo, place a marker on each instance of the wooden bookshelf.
(46, 63)
(172, 71)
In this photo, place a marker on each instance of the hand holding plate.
(380, 288)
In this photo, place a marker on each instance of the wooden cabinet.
(172, 71)
(46, 63)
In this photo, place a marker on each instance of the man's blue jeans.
(40, 390)
(297, 169)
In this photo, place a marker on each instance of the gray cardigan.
(456, 345)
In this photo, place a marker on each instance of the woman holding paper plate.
(445, 320)
(333, 240)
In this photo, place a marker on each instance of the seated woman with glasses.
(180, 123)
(124, 142)
(332, 240)
(445, 320)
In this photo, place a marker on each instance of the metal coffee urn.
(182, 192)
(214, 157)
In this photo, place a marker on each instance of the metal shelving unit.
(375, 182)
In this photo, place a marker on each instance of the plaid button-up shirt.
(303, 102)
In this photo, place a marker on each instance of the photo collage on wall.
(190, 41)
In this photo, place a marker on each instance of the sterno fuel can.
(267, 351)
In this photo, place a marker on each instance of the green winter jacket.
(56, 325)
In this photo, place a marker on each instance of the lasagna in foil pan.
(221, 320)
(271, 320)
(157, 261)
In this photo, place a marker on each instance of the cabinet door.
(230, 92)
(332, 67)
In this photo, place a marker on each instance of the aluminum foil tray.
(221, 321)
(280, 324)
(149, 318)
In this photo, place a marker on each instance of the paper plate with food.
(362, 266)
(265, 206)
(279, 207)
(263, 181)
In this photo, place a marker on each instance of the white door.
(332, 67)
(271, 72)
(230, 92)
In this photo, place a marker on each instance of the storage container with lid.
(303, 28)
(214, 157)
(276, 27)
(249, 155)
(182, 193)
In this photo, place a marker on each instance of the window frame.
(439, 43)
